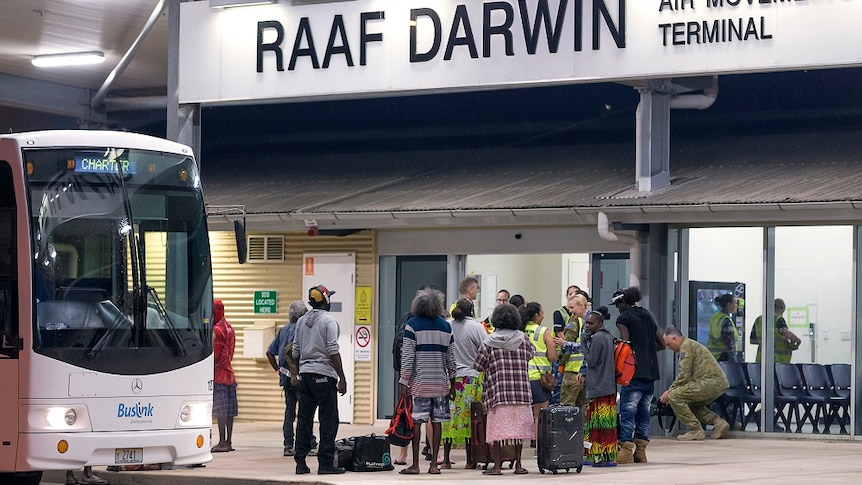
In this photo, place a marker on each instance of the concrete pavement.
(750, 459)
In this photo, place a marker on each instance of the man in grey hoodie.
(320, 377)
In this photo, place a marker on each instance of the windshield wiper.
(172, 329)
(139, 281)
(108, 313)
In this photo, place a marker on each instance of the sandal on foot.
(93, 480)
(491, 471)
(521, 471)
(408, 471)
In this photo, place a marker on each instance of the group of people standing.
(507, 364)
(446, 355)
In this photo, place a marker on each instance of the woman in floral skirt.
(468, 335)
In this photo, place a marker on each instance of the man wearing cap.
(321, 376)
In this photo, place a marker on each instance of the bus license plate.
(128, 455)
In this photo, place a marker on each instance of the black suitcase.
(560, 440)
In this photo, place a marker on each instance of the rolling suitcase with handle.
(560, 440)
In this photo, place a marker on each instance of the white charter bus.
(105, 303)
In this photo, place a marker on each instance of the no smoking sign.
(362, 344)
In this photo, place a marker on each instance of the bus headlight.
(57, 418)
(195, 415)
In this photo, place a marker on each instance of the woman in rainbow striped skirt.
(600, 425)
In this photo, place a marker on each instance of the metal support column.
(767, 365)
(652, 141)
(183, 122)
(856, 336)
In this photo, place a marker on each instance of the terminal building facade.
(534, 145)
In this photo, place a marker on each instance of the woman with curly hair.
(506, 394)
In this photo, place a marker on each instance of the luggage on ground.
(369, 453)
(560, 439)
(480, 451)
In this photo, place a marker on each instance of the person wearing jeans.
(321, 379)
(278, 360)
(637, 325)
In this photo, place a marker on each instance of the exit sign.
(266, 302)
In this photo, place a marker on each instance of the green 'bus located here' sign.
(266, 302)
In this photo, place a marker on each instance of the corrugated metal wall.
(259, 395)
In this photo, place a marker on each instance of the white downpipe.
(696, 101)
(634, 248)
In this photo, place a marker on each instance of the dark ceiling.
(559, 115)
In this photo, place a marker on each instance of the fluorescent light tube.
(238, 3)
(68, 59)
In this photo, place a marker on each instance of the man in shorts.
(428, 371)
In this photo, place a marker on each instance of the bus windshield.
(121, 263)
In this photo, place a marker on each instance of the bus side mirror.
(241, 249)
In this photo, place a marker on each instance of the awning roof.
(788, 177)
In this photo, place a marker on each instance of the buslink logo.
(136, 410)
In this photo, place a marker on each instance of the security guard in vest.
(723, 333)
(785, 340)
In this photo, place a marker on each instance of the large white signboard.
(378, 47)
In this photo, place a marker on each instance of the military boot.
(720, 430)
(640, 450)
(626, 453)
(693, 434)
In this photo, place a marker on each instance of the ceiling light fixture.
(238, 3)
(68, 59)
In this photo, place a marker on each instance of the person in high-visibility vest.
(785, 340)
(723, 333)
(573, 391)
(502, 297)
(543, 339)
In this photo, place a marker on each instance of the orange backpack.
(624, 361)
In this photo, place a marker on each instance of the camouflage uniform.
(699, 381)
(573, 393)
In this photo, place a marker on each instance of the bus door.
(9, 325)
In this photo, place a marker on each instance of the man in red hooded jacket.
(224, 382)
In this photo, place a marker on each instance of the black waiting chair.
(790, 393)
(819, 384)
(842, 385)
(752, 372)
(738, 394)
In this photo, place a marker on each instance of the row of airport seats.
(812, 394)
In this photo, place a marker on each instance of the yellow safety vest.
(540, 362)
(572, 333)
(715, 344)
(783, 348)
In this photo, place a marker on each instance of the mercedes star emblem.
(137, 386)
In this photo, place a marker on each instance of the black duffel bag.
(344, 453)
(371, 454)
